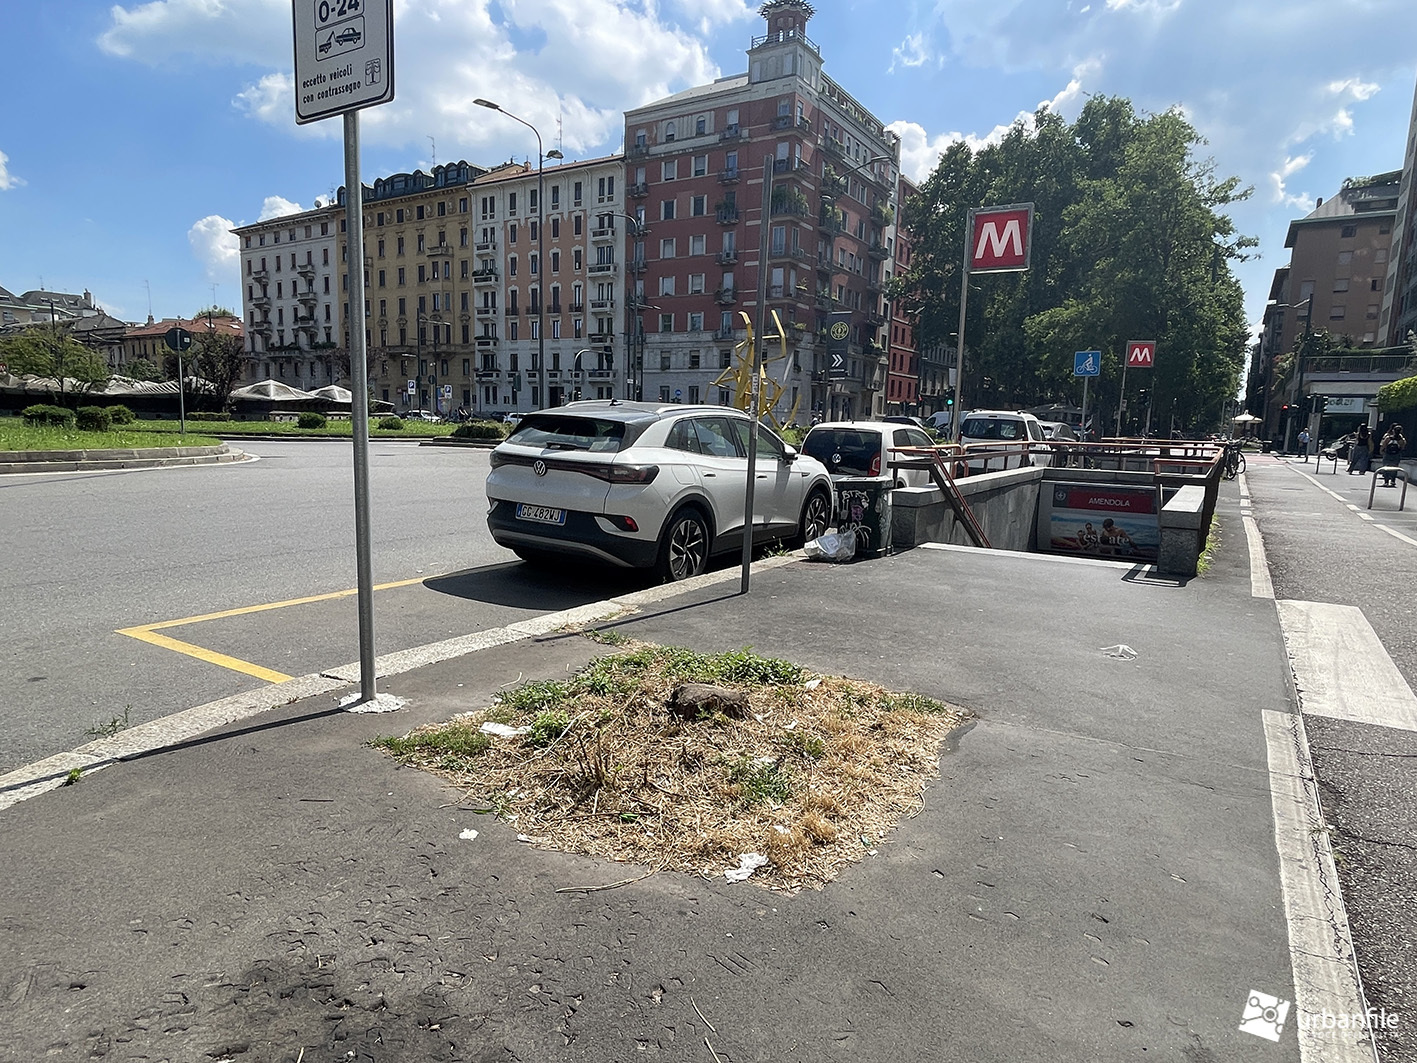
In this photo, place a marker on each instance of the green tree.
(142, 369)
(70, 368)
(220, 361)
(1130, 241)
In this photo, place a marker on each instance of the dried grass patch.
(816, 774)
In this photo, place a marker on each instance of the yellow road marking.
(221, 660)
(243, 610)
(148, 632)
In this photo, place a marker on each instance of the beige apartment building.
(471, 282)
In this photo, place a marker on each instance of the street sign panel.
(412, 386)
(1087, 363)
(344, 56)
(1001, 238)
(1141, 354)
(177, 339)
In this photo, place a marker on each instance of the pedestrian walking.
(1360, 457)
(1394, 443)
(1303, 444)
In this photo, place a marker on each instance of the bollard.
(1389, 471)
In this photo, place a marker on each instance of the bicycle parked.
(1233, 463)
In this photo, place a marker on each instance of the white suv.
(645, 485)
(1003, 430)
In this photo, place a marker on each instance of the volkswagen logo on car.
(539, 467)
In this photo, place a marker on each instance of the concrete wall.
(1004, 503)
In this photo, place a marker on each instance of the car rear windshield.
(844, 451)
(570, 433)
(992, 428)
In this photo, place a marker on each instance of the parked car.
(862, 448)
(1059, 431)
(1004, 429)
(900, 418)
(420, 415)
(648, 485)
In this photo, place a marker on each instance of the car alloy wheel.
(684, 552)
(816, 516)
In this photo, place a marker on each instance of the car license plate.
(540, 514)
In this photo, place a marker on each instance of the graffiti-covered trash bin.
(863, 503)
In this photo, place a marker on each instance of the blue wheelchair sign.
(1087, 363)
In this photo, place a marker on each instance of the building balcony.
(306, 269)
(604, 233)
(882, 216)
(487, 341)
(726, 215)
(603, 267)
(578, 308)
(726, 258)
(601, 337)
(440, 251)
(638, 190)
(637, 151)
(262, 302)
(260, 276)
(731, 133)
(262, 328)
(637, 265)
(834, 147)
(485, 276)
(602, 304)
(725, 296)
(307, 298)
(878, 251)
(486, 311)
(553, 308)
(532, 309)
(511, 311)
(728, 176)
(486, 247)
(723, 334)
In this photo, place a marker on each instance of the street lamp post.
(634, 371)
(433, 370)
(541, 157)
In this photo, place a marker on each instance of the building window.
(666, 210)
(666, 249)
(698, 206)
(666, 322)
(1348, 230)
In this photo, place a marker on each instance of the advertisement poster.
(1104, 520)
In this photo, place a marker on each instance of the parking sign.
(344, 56)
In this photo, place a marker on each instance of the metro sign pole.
(1141, 354)
(344, 61)
(996, 240)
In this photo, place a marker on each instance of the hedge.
(1399, 395)
(208, 415)
(95, 419)
(121, 414)
(48, 415)
(479, 430)
(391, 424)
(311, 419)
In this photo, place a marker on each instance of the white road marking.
(1341, 667)
(1260, 584)
(1391, 531)
(1326, 980)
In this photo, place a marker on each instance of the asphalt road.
(89, 554)
(1330, 549)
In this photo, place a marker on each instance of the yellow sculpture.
(739, 376)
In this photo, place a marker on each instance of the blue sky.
(136, 134)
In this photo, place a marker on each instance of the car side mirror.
(789, 452)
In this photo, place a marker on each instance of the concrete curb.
(41, 461)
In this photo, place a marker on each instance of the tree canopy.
(53, 354)
(1130, 241)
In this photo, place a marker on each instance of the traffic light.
(949, 400)
(1284, 408)
(1141, 396)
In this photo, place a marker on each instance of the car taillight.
(623, 474)
(875, 467)
(497, 460)
(624, 523)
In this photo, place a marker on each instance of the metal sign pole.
(756, 338)
(1082, 423)
(955, 421)
(359, 401)
(1122, 395)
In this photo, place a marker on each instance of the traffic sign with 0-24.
(1087, 363)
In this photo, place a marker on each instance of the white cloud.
(919, 152)
(912, 52)
(1353, 89)
(216, 247)
(278, 207)
(1279, 180)
(580, 61)
(7, 179)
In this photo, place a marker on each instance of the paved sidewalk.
(1093, 877)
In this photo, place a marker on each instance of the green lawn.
(15, 435)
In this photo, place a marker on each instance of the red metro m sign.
(1000, 238)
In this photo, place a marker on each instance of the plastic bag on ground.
(833, 546)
